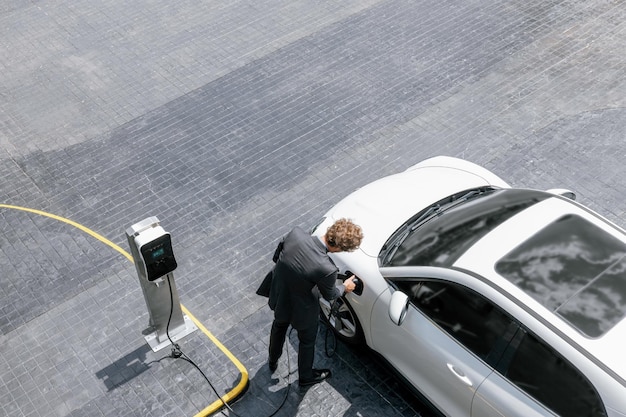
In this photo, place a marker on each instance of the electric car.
(488, 300)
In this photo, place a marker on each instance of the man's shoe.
(273, 366)
(318, 376)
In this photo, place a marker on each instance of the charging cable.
(177, 353)
(329, 337)
(288, 378)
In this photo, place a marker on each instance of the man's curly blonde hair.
(344, 235)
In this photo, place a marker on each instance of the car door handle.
(459, 374)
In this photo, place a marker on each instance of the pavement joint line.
(216, 405)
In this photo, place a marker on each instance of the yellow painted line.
(70, 222)
(218, 404)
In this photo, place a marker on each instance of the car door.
(497, 396)
(447, 342)
(533, 379)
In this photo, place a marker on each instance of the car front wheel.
(340, 317)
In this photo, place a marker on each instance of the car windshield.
(439, 235)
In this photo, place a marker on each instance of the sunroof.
(576, 270)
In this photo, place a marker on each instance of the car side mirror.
(398, 307)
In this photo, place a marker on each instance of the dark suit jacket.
(303, 268)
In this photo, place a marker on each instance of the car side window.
(543, 374)
(467, 316)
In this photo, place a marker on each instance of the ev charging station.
(151, 247)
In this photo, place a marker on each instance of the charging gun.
(358, 290)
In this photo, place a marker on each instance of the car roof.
(543, 258)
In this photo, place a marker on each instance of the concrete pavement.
(232, 122)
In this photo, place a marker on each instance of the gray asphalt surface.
(234, 121)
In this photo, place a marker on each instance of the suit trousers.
(306, 346)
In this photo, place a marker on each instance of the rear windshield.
(444, 237)
(575, 269)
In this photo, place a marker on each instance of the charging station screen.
(158, 257)
(158, 253)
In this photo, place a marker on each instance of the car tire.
(342, 320)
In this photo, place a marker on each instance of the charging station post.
(151, 247)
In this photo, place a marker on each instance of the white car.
(490, 301)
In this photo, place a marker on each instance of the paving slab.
(233, 122)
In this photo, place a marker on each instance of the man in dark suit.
(304, 270)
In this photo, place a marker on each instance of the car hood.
(381, 207)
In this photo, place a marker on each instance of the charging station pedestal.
(151, 247)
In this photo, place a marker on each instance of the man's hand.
(349, 284)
